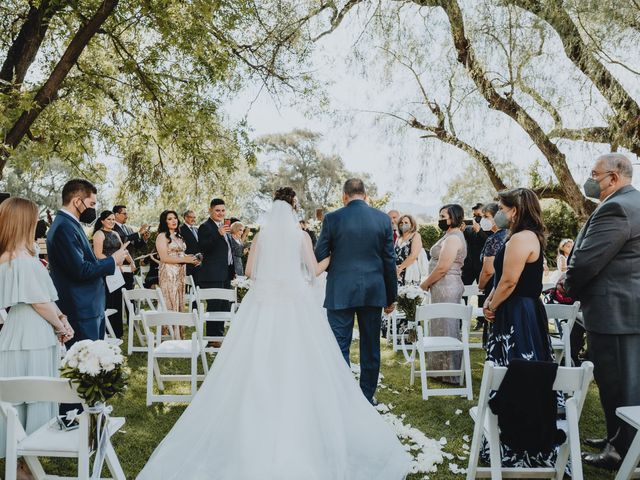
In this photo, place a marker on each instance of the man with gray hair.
(604, 274)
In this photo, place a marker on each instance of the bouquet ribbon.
(102, 412)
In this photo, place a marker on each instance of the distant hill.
(422, 213)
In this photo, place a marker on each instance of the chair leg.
(423, 373)
(574, 439)
(412, 377)
(494, 448)
(466, 358)
(113, 463)
(156, 371)
(130, 336)
(394, 331)
(36, 467)
(194, 366)
(631, 460)
(151, 365)
(474, 453)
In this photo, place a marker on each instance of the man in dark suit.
(76, 272)
(189, 232)
(604, 274)
(135, 239)
(361, 278)
(217, 269)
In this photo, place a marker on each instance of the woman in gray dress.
(445, 284)
(237, 247)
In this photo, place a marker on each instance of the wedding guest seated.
(105, 243)
(35, 327)
(520, 328)
(445, 284)
(237, 247)
(564, 250)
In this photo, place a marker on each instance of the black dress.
(521, 330)
(110, 245)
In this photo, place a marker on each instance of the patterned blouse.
(493, 244)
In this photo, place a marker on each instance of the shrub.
(430, 235)
(561, 222)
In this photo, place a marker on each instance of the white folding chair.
(470, 292)
(208, 294)
(137, 301)
(159, 348)
(571, 381)
(190, 291)
(426, 344)
(392, 328)
(565, 318)
(139, 281)
(109, 333)
(628, 469)
(49, 440)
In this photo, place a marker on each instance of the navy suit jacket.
(362, 272)
(215, 250)
(76, 272)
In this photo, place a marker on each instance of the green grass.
(147, 426)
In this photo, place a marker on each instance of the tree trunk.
(49, 90)
(25, 46)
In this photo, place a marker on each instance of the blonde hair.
(18, 218)
(235, 226)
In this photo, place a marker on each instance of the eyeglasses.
(595, 174)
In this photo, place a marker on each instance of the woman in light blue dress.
(31, 335)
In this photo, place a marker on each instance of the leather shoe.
(609, 459)
(598, 443)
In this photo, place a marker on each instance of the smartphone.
(227, 222)
(468, 222)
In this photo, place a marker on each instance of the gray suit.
(604, 274)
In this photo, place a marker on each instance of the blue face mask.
(501, 220)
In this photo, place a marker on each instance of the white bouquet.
(242, 286)
(409, 298)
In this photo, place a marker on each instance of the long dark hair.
(163, 227)
(103, 216)
(528, 212)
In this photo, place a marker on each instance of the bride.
(280, 402)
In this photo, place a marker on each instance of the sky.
(414, 170)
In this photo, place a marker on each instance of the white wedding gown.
(280, 402)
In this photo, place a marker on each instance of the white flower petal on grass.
(382, 408)
(447, 423)
(458, 412)
(455, 469)
(465, 438)
(465, 446)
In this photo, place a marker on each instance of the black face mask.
(477, 218)
(443, 225)
(88, 215)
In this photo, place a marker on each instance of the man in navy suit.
(76, 272)
(217, 269)
(361, 278)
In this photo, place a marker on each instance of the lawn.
(146, 426)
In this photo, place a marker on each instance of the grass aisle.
(147, 426)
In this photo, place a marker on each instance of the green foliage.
(430, 235)
(561, 222)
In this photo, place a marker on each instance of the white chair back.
(228, 294)
(137, 301)
(425, 313)
(571, 381)
(568, 313)
(37, 389)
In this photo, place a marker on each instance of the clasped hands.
(65, 332)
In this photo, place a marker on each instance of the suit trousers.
(216, 329)
(369, 319)
(616, 359)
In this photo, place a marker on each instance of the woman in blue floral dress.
(520, 325)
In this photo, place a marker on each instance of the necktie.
(194, 230)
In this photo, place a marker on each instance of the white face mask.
(486, 224)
